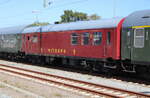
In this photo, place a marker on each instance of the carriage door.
(108, 43)
(23, 43)
(32, 45)
(27, 43)
(35, 43)
(138, 49)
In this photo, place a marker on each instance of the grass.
(17, 85)
(2, 86)
(5, 81)
(57, 95)
(90, 78)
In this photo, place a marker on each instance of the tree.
(38, 24)
(93, 17)
(70, 16)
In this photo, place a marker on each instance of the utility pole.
(36, 12)
(46, 3)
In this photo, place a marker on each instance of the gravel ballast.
(15, 87)
(94, 79)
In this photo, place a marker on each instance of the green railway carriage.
(135, 43)
(11, 39)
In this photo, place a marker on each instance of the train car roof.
(12, 30)
(138, 18)
(80, 25)
(32, 29)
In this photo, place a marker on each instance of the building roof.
(138, 18)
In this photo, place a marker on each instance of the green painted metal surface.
(10, 43)
(126, 43)
(130, 51)
(143, 53)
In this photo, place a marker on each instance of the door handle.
(147, 35)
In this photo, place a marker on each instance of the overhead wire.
(66, 4)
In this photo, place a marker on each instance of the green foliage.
(71, 16)
(93, 17)
(38, 24)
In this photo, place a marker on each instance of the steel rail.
(60, 83)
(64, 78)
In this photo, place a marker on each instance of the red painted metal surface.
(118, 39)
(59, 43)
(31, 43)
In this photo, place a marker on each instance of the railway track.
(81, 87)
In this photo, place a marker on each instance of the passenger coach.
(136, 43)
(77, 42)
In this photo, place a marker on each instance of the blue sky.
(19, 12)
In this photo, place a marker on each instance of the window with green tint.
(108, 38)
(74, 39)
(86, 36)
(97, 38)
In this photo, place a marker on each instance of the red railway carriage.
(98, 39)
(90, 39)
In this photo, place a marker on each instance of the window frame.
(137, 37)
(109, 38)
(95, 38)
(28, 38)
(34, 39)
(84, 36)
(77, 39)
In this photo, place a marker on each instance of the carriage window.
(74, 39)
(97, 38)
(34, 39)
(86, 38)
(108, 38)
(28, 38)
(139, 38)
